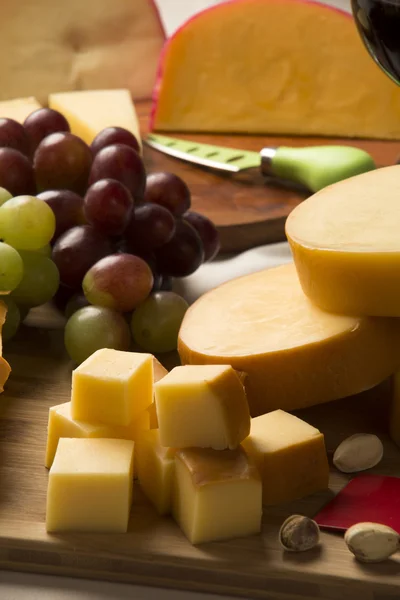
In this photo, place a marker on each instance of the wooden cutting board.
(248, 209)
(154, 551)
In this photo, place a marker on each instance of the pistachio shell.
(372, 542)
(358, 452)
(299, 533)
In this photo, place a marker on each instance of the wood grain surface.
(154, 551)
(248, 209)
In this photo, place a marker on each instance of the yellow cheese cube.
(217, 494)
(88, 112)
(394, 420)
(202, 405)
(18, 109)
(159, 373)
(290, 455)
(112, 387)
(155, 467)
(90, 486)
(62, 425)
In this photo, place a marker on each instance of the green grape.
(13, 319)
(4, 196)
(93, 327)
(26, 223)
(45, 250)
(11, 268)
(40, 281)
(155, 323)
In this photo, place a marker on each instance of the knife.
(312, 166)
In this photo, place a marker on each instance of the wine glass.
(378, 22)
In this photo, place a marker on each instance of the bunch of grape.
(88, 226)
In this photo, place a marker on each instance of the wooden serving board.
(248, 209)
(154, 551)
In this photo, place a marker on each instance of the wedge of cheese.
(294, 354)
(19, 108)
(277, 67)
(89, 112)
(346, 246)
(49, 46)
(5, 368)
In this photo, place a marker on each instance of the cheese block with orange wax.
(203, 406)
(19, 108)
(290, 455)
(294, 354)
(5, 368)
(48, 47)
(155, 468)
(89, 112)
(62, 425)
(274, 67)
(346, 245)
(217, 494)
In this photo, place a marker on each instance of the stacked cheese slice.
(212, 466)
(206, 461)
(325, 327)
(90, 441)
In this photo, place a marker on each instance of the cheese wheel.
(295, 355)
(51, 46)
(345, 242)
(273, 66)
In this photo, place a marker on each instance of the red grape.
(67, 208)
(207, 231)
(62, 161)
(119, 281)
(76, 251)
(169, 191)
(13, 135)
(183, 254)
(108, 206)
(16, 173)
(123, 164)
(41, 123)
(114, 135)
(151, 227)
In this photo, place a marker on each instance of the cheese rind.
(217, 494)
(18, 109)
(203, 406)
(112, 387)
(346, 246)
(90, 486)
(155, 467)
(295, 355)
(62, 425)
(290, 455)
(242, 66)
(89, 112)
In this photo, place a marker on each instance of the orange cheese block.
(48, 47)
(295, 355)
(5, 368)
(346, 245)
(273, 66)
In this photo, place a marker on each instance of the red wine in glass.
(378, 22)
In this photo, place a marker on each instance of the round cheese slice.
(345, 242)
(295, 355)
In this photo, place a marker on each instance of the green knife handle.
(319, 166)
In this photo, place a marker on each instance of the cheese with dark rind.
(294, 354)
(274, 67)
